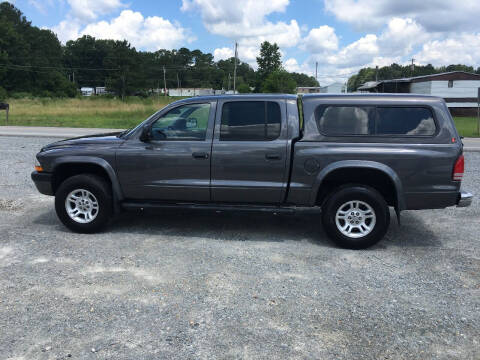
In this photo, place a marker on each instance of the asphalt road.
(193, 285)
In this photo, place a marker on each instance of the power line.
(58, 68)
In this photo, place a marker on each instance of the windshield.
(130, 131)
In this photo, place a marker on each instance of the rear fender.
(400, 200)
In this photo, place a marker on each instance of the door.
(174, 164)
(249, 152)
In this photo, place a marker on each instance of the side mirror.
(145, 135)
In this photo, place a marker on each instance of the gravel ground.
(195, 285)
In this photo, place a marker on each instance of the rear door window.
(250, 121)
(413, 121)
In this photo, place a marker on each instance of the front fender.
(360, 164)
(116, 189)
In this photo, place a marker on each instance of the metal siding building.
(458, 88)
(335, 88)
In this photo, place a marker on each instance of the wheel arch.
(67, 166)
(385, 173)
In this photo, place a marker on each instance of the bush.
(243, 88)
(21, 95)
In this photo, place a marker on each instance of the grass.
(94, 112)
(99, 112)
(467, 126)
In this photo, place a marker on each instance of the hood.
(93, 140)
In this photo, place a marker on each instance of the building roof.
(369, 85)
(451, 75)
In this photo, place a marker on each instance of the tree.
(243, 88)
(279, 81)
(269, 60)
(304, 79)
(30, 58)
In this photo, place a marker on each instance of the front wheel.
(356, 216)
(84, 203)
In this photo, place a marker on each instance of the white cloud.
(461, 49)
(223, 53)
(357, 53)
(291, 65)
(401, 36)
(245, 11)
(88, 10)
(41, 6)
(321, 39)
(246, 22)
(433, 15)
(67, 30)
(151, 33)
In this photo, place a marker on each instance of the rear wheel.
(84, 203)
(355, 216)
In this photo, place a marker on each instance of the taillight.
(459, 169)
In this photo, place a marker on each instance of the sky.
(342, 36)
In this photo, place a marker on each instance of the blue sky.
(341, 35)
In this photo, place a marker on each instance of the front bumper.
(464, 199)
(43, 182)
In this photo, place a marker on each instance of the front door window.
(187, 122)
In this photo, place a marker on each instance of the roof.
(236, 97)
(374, 96)
(450, 74)
(369, 85)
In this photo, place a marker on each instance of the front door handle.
(273, 157)
(200, 155)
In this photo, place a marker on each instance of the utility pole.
(73, 76)
(164, 82)
(235, 70)
(178, 82)
(412, 67)
(478, 112)
(316, 71)
(376, 73)
(229, 78)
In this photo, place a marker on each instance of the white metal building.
(335, 88)
(191, 92)
(308, 89)
(87, 91)
(459, 89)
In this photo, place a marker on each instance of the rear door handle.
(200, 155)
(273, 157)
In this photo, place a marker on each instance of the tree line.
(396, 71)
(34, 62)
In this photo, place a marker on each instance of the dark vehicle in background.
(350, 156)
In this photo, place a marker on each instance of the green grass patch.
(92, 112)
(467, 126)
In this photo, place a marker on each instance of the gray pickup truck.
(350, 156)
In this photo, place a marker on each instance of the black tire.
(96, 186)
(364, 194)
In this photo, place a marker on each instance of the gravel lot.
(193, 285)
